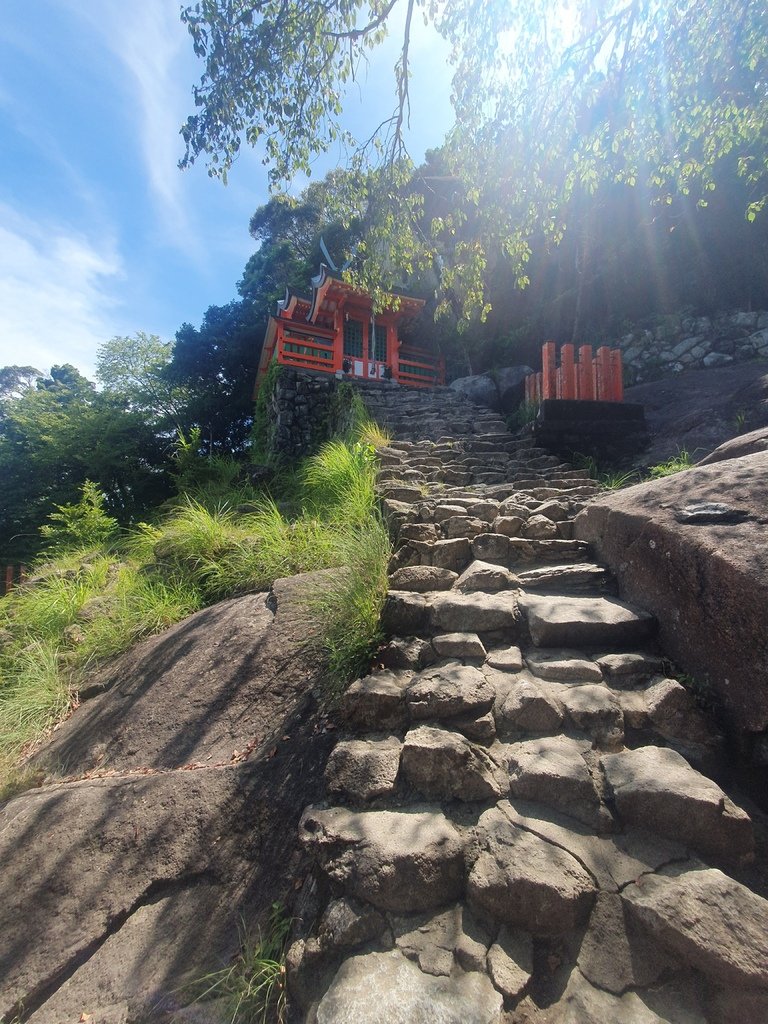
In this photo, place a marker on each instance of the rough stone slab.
(485, 577)
(711, 921)
(508, 526)
(445, 691)
(377, 701)
(656, 787)
(442, 764)
(510, 962)
(563, 666)
(404, 613)
(407, 495)
(594, 710)
(584, 621)
(552, 770)
(451, 554)
(564, 579)
(612, 860)
(397, 860)
(481, 729)
(434, 941)
(505, 659)
(397, 511)
(459, 645)
(540, 527)
(363, 769)
(616, 955)
(491, 547)
(526, 882)
(422, 578)
(582, 1003)
(628, 668)
(441, 512)
(672, 711)
(478, 612)
(486, 510)
(346, 923)
(408, 652)
(695, 577)
(464, 526)
(424, 532)
(386, 988)
(554, 510)
(527, 707)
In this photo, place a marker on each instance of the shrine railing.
(306, 351)
(590, 378)
(418, 368)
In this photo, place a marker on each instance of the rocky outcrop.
(693, 549)
(501, 389)
(183, 783)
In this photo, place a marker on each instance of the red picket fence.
(10, 577)
(598, 378)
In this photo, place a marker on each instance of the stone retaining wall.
(680, 343)
(304, 410)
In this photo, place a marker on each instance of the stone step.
(488, 804)
(585, 621)
(567, 579)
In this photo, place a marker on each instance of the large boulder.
(501, 390)
(210, 749)
(701, 570)
(744, 444)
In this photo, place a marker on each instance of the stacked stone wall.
(680, 343)
(300, 413)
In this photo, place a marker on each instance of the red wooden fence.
(591, 378)
(10, 577)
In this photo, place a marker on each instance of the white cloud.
(152, 46)
(55, 293)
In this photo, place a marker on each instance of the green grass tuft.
(676, 464)
(252, 987)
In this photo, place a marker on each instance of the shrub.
(82, 524)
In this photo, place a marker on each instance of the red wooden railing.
(11, 576)
(591, 378)
(418, 368)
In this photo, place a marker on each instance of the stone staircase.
(514, 828)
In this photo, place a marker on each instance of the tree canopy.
(549, 102)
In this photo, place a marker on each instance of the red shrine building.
(336, 331)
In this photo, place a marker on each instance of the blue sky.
(100, 233)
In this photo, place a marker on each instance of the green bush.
(82, 524)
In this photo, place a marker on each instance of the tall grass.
(348, 607)
(88, 605)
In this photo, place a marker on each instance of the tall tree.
(133, 369)
(58, 434)
(215, 365)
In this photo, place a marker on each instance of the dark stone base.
(607, 431)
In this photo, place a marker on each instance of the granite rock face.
(694, 578)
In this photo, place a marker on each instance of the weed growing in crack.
(252, 987)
